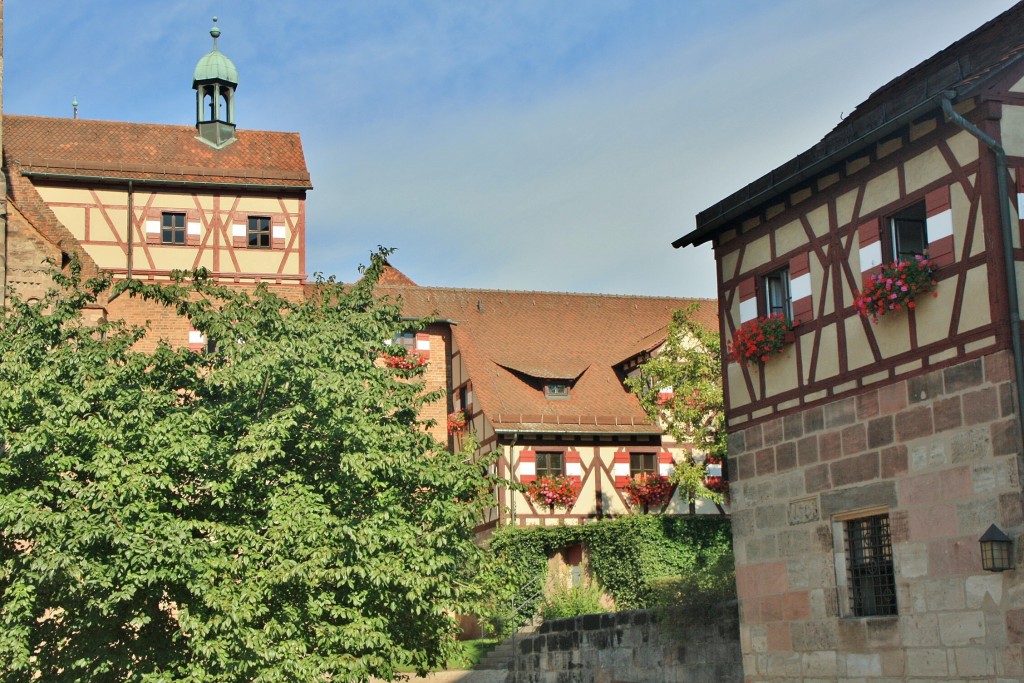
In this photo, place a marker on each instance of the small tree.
(690, 363)
(272, 510)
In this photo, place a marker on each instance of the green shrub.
(628, 556)
(572, 601)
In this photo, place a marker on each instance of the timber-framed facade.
(868, 458)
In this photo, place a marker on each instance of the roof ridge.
(80, 121)
(422, 288)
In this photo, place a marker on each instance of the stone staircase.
(501, 657)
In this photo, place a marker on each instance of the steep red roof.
(511, 341)
(145, 151)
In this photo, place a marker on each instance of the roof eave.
(955, 92)
(710, 227)
(78, 177)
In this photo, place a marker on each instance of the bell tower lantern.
(214, 81)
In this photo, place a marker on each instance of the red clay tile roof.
(961, 69)
(511, 341)
(146, 151)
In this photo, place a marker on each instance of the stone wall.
(632, 647)
(939, 453)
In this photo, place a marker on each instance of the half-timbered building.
(869, 458)
(143, 200)
(538, 377)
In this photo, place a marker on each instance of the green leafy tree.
(271, 510)
(690, 363)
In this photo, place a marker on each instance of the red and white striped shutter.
(870, 236)
(666, 464)
(193, 228)
(196, 340)
(423, 344)
(239, 231)
(748, 299)
(620, 469)
(800, 287)
(939, 212)
(527, 466)
(573, 465)
(665, 394)
(277, 231)
(1020, 196)
(153, 226)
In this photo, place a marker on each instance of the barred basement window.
(872, 580)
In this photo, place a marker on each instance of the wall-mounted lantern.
(995, 550)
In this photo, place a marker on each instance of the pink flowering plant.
(456, 422)
(557, 491)
(759, 339)
(896, 287)
(408, 361)
(648, 490)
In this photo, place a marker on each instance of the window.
(909, 233)
(872, 581)
(556, 390)
(259, 232)
(643, 463)
(777, 298)
(406, 340)
(549, 463)
(172, 228)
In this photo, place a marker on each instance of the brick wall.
(940, 453)
(631, 646)
(27, 252)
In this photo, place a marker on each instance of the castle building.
(142, 200)
(871, 456)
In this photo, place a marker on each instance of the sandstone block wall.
(632, 647)
(940, 453)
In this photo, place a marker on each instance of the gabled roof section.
(959, 70)
(80, 148)
(511, 342)
(23, 195)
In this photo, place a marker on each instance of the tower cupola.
(214, 80)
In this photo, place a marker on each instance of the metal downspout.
(131, 211)
(511, 492)
(1007, 233)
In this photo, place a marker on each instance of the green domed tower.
(214, 81)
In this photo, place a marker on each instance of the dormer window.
(556, 390)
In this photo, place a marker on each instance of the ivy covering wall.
(632, 558)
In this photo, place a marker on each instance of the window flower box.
(558, 491)
(409, 361)
(759, 339)
(896, 287)
(648, 490)
(457, 422)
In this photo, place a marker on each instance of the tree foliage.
(272, 510)
(691, 364)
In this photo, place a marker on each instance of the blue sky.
(558, 145)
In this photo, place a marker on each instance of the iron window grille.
(870, 571)
(172, 228)
(259, 232)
